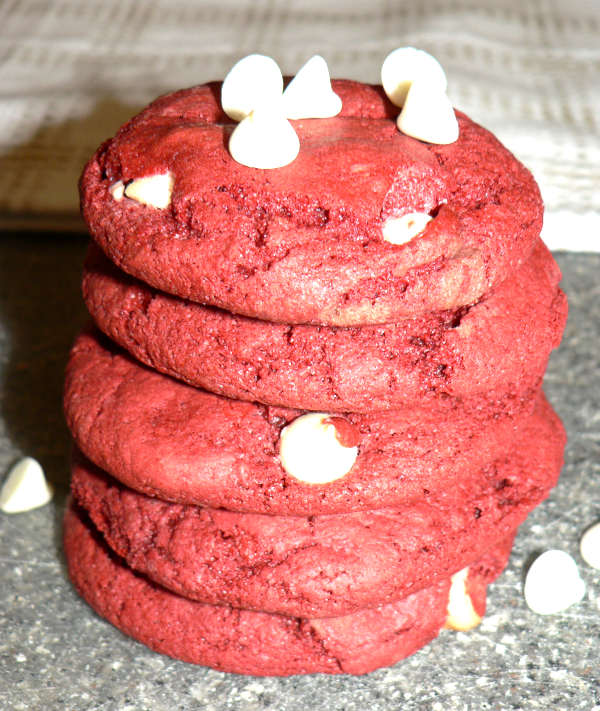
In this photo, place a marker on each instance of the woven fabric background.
(71, 72)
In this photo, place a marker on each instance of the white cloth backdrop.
(72, 71)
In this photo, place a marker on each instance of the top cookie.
(304, 243)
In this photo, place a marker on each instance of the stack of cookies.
(309, 416)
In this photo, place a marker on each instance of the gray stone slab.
(55, 653)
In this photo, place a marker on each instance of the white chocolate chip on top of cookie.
(428, 115)
(152, 190)
(461, 613)
(309, 94)
(406, 65)
(400, 230)
(253, 81)
(264, 139)
(318, 448)
(25, 487)
(553, 583)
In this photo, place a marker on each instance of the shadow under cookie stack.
(308, 418)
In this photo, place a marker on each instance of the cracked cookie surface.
(315, 566)
(304, 243)
(248, 642)
(182, 444)
(496, 349)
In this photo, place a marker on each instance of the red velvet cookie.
(182, 444)
(496, 349)
(258, 643)
(316, 566)
(304, 243)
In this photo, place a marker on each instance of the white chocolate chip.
(25, 487)
(264, 139)
(428, 115)
(152, 190)
(310, 450)
(406, 65)
(552, 583)
(400, 230)
(251, 82)
(117, 190)
(309, 94)
(461, 613)
(590, 546)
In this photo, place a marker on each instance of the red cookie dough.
(303, 243)
(245, 642)
(316, 566)
(182, 444)
(496, 349)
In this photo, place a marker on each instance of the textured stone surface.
(56, 654)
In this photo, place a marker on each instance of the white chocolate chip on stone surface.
(428, 115)
(264, 139)
(313, 448)
(406, 65)
(25, 487)
(461, 613)
(552, 583)
(309, 94)
(250, 83)
(400, 230)
(589, 546)
(152, 190)
(117, 190)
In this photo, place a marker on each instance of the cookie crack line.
(320, 642)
